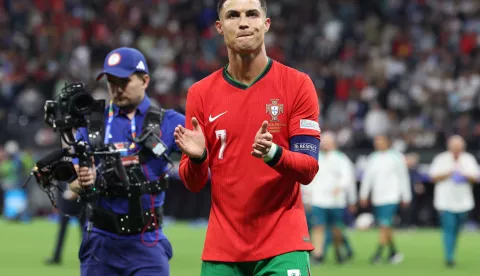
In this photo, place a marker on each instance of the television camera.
(75, 108)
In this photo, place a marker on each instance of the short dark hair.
(263, 4)
(140, 75)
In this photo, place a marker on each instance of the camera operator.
(110, 249)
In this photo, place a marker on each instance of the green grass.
(24, 248)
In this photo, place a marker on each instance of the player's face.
(127, 92)
(243, 24)
(381, 143)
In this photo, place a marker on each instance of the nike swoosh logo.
(210, 119)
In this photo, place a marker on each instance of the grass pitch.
(24, 247)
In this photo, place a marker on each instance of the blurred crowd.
(409, 67)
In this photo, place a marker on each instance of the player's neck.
(246, 68)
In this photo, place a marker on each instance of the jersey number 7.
(222, 135)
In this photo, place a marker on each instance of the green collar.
(237, 84)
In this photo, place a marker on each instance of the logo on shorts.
(274, 109)
(293, 272)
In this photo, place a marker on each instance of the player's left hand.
(263, 141)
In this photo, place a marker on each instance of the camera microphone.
(51, 158)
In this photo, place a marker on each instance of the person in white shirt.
(327, 196)
(386, 178)
(454, 172)
(352, 208)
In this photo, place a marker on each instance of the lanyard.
(109, 126)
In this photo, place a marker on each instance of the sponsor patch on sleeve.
(309, 124)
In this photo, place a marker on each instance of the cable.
(152, 214)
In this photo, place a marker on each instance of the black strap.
(147, 188)
(96, 124)
(125, 225)
(154, 118)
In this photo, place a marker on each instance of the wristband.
(201, 159)
(273, 155)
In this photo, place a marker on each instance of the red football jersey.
(256, 213)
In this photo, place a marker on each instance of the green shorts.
(295, 263)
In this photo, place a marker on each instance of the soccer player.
(254, 124)
(386, 177)
(328, 192)
(454, 172)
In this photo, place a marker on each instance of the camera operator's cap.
(123, 62)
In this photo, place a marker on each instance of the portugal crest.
(274, 109)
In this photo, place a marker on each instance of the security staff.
(119, 243)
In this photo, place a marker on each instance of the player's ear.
(218, 26)
(267, 24)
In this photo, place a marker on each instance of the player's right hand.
(190, 142)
